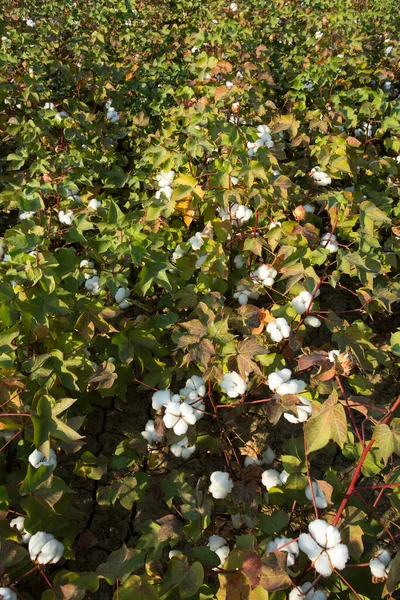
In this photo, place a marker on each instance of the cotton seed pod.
(346, 362)
(299, 213)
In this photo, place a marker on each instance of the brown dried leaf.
(252, 568)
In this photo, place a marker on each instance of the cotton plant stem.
(310, 482)
(357, 472)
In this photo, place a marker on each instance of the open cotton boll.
(233, 385)
(93, 285)
(264, 275)
(279, 329)
(274, 224)
(320, 177)
(200, 260)
(292, 548)
(37, 459)
(173, 553)
(323, 547)
(49, 106)
(26, 215)
(309, 208)
(196, 241)
(278, 378)
(86, 263)
(45, 549)
(221, 485)
(7, 594)
(301, 303)
(293, 386)
(178, 253)
(267, 458)
(303, 592)
(150, 434)
(160, 398)
(320, 498)
(312, 321)
(303, 412)
(195, 385)
(178, 416)
(66, 218)
(270, 478)
(167, 190)
(242, 213)
(218, 545)
(333, 355)
(233, 6)
(182, 449)
(380, 564)
(239, 261)
(121, 294)
(19, 522)
(242, 295)
(165, 178)
(94, 204)
(328, 241)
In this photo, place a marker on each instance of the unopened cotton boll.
(37, 459)
(279, 329)
(221, 485)
(328, 241)
(324, 548)
(233, 385)
(94, 204)
(178, 416)
(284, 544)
(150, 434)
(19, 522)
(306, 592)
(45, 549)
(7, 594)
(312, 321)
(160, 398)
(66, 217)
(302, 302)
(26, 215)
(93, 285)
(319, 495)
(304, 411)
(380, 564)
(218, 545)
(182, 449)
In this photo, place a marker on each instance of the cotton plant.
(319, 495)
(264, 275)
(181, 449)
(121, 296)
(380, 564)
(233, 385)
(45, 549)
(329, 241)
(306, 592)
(164, 180)
(218, 544)
(279, 329)
(284, 544)
(221, 485)
(320, 177)
(323, 547)
(66, 218)
(19, 523)
(38, 459)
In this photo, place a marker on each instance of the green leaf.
(120, 564)
(137, 588)
(329, 424)
(395, 343)
(273, 524)
(388, 439)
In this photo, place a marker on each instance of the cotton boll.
(167, 190)
(221, 485)
(218, 545)
(165, 178)
(270, 478)
(320, 498)
(239, 261)
(7, 594)
(284, 476)
(322, 546)
(308, 208)
(229, 84)
(279, 329)
(37, 542)
(312, 321)
(94, 204)
(268, 456)
(66, 218)
(301, 303)
(178, 253)
(196, 241)
(294, 386)
(93, 285)
(26, 215)
(37, 459)
(19, 522)
(284, 544)
(182, 449)
(380, 564)
(51, 552)
(160, 398)
(200, 260)
(173, 553)
(150, 434)
(124, 304)
(251, 461)
(328, 241)
(178, 416)
(233, 385)
(333, 355)
(278, 378)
